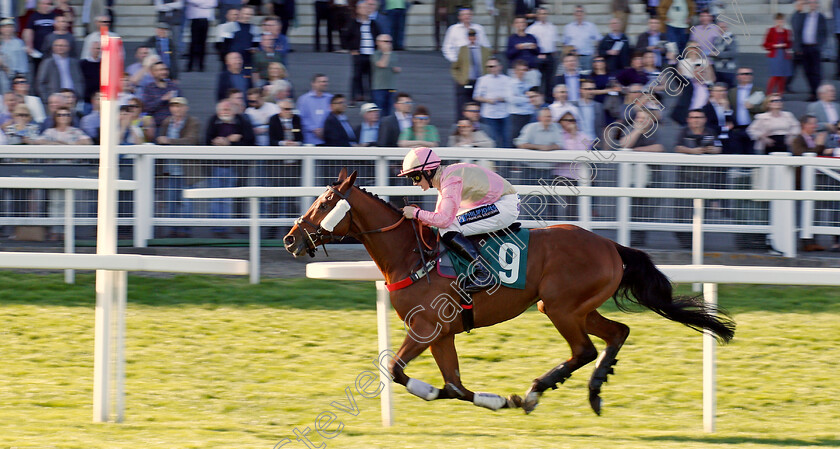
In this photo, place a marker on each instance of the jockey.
(471, 200)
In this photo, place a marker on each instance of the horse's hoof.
(596, 402)
(514, 401)
(532, 398)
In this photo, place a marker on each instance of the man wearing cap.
(368, 130)
(156, 95)
(165, 48)
(179, 128)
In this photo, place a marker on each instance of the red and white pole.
(109, 361)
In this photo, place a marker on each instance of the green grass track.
(215, 362)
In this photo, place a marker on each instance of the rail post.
(144, 198)
(809, 174)
(697, 237)
(254, 237)
(623, 204)
(783, 212)
(383, 305)
(69, 231)
(709, 369)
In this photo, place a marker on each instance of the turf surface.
(217, 363)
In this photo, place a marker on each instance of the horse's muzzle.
(293, 245)
(296, 246)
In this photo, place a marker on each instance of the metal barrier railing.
(162, 173)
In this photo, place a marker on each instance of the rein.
(329, 237)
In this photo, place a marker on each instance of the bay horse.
(570, 273)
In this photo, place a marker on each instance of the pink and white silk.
(464, 186)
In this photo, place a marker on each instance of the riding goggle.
(415, 177)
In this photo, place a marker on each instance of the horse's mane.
(374, 196)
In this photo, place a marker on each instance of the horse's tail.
(649, 287)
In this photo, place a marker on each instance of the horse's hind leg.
(614, 334)
(446, 357)
(571, 326)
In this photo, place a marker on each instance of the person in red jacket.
(777, 42)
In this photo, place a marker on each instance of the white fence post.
(382, 174)
(709, 369)
(383, 305)
(307, 179)
(697, 237)
(144, 199)
(118, 318)
(106, 244)
(585, 202)
(255, 239)
(623, 204)
(783, 212)
(69, 231)
(809, 174)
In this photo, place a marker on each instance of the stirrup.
(471, 283)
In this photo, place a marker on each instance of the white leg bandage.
(489, 400)
(422, 389)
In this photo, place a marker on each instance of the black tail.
(650, 288)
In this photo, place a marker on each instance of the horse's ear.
(342, 174)
(352, 179)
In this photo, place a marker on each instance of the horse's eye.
(323, 206)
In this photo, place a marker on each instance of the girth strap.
(413, 277)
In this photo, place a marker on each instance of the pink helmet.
(419, 159)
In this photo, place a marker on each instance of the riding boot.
(480, 278)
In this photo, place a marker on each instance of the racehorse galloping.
(570, 270)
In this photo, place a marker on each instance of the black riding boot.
(480, 278)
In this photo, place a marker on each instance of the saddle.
(496, 248)
(445, 265)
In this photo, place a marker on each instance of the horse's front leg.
(446, 357)
(412, 347)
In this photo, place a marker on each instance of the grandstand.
(136, 20)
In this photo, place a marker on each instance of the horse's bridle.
(321, 233)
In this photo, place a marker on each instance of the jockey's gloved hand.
(409, 211)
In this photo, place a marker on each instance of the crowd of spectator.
(553, 86)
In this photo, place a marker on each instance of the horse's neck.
(392, 251)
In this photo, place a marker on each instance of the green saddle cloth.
(506, 254)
